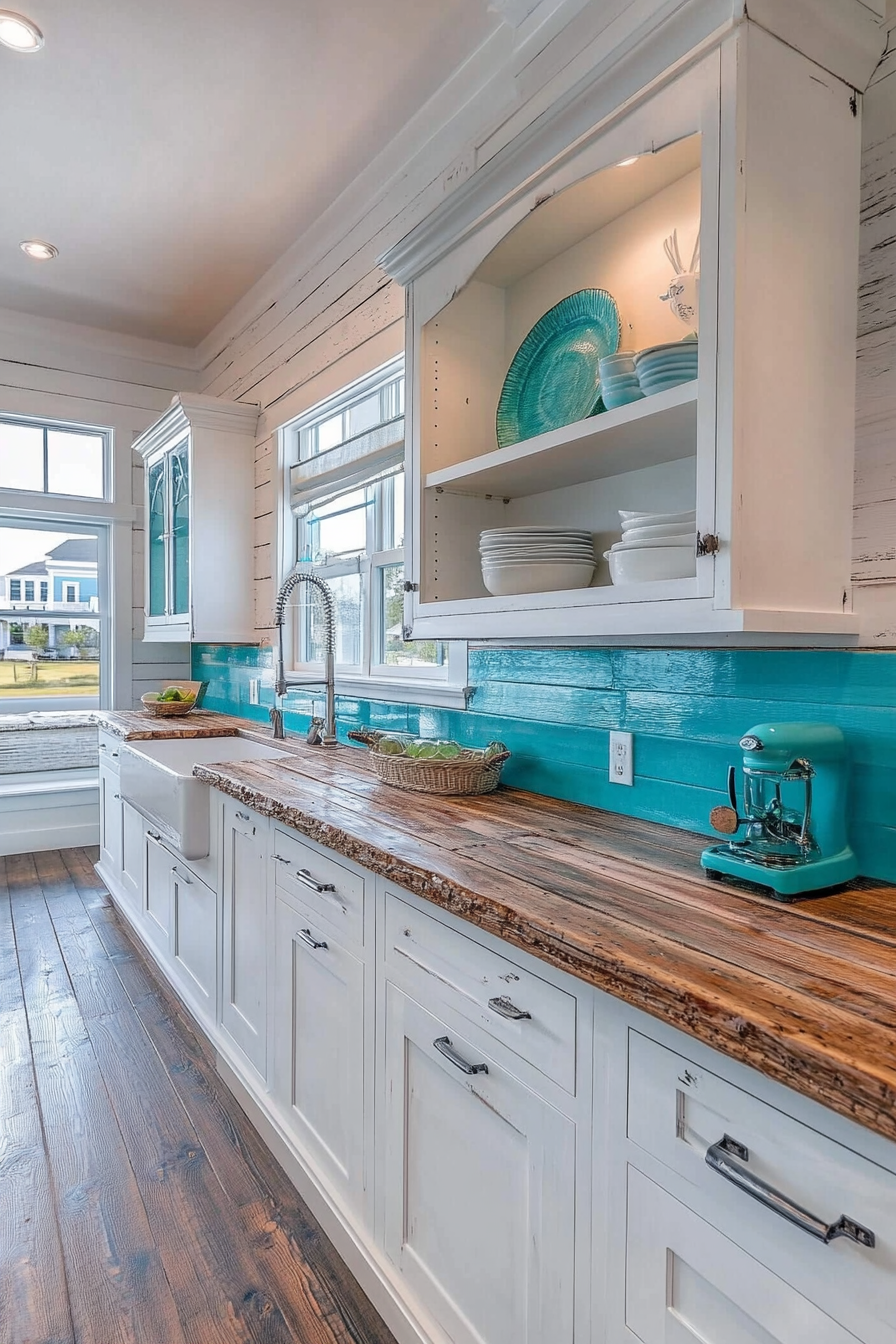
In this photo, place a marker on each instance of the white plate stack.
(654, 546)
(536, 559)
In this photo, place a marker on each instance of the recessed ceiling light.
(19, 33)
(33, 247)
(627, 163)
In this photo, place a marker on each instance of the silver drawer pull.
(505, 1007)
(278, 858)
(117, 796)
(183, 877)
(154, 835)
(114, 755)
(302, 875)
(243, 816)
(718, 1159)
(306, 936)
(444, 1047)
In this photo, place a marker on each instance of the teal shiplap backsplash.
(687, 708)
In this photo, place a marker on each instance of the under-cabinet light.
(627, 163)
(19, 33)
(33, 247)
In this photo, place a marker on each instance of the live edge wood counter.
(804, 993)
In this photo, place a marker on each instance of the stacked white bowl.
(536, 559)
(654, 546)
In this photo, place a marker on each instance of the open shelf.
(661, 428)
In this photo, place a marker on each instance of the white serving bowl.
(510, 579)
(650, 543)
(630, 519)
(654, 530)
(651, 564)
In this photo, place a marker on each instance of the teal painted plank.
(547, 667)
(551, 704)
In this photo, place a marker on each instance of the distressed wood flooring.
(137, 1204)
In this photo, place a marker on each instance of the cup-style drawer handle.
(444, 1047)
(183, 877)
(307, 937)
(302, 875)
(505, 1007)
(718, 1158)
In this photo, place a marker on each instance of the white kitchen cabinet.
(199, 466)
(320, 1030)
(111, 821)
(760, 444)
(245, 934)
(194, 938)
(479, 1186)
(685, 1283)
(133, 858)
(156, 921)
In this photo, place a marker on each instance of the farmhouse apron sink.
(157, 779)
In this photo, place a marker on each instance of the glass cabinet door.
(157, 540)
(180, 528)
(168, 526)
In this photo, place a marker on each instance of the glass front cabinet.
(710, 221)
(199, 484)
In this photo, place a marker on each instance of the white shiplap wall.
(64, 372)
(327, 313)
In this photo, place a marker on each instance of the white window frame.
(444, 684)
(66, 584)
(64, 427)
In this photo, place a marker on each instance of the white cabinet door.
(157, 895)
(194, 939)
(318, 1030)
(133, 842)
(245, 934)
(687, 1284)
(111, 843)
(479, 1181)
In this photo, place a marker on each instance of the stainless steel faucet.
(321, 732)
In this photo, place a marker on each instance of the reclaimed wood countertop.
(805, 993)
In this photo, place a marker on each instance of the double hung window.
(344, 487)
(55, 543)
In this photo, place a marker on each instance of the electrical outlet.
(254, 684)
(621, 763)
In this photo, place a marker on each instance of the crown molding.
(138, 348)
(191, 410)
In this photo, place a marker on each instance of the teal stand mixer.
(793, 812)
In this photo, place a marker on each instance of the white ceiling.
(173, 150)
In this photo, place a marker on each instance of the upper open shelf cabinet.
(754, 149)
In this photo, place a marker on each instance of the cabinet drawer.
(684, 1284)
(334, 892)
(532, 1017)
(108, 746)
(677, 1110)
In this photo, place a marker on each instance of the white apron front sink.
(157, 779)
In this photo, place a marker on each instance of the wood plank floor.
(137, 1204)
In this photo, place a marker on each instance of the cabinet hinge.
(708, 544)
(411, 587)
(407, 633)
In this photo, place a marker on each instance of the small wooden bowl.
(166, 709)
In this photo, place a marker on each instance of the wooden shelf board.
(661, 428)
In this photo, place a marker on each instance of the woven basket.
(167, 709)
(466, 774)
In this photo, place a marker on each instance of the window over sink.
(343, 519)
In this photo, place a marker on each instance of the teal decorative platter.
(553, 379)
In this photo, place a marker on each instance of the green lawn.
(68, 678)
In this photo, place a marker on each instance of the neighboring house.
(59, 591)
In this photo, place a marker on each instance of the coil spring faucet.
(321, 732)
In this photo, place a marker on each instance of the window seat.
(49, 786)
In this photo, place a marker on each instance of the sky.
(23, 545)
